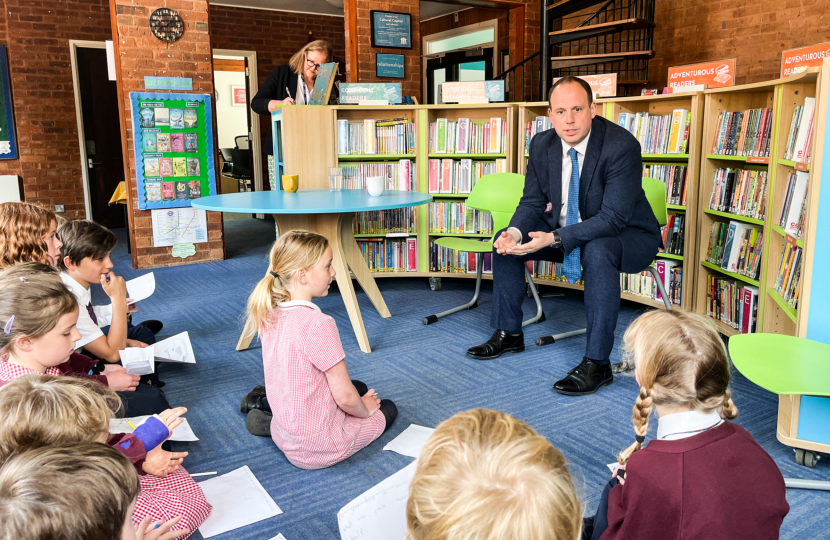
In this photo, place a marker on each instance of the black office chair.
(241, 170)
(242, 142)
(227, 160)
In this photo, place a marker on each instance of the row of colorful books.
(643, 284)
(400, 175)
(459, 176)
(743, 133)
(733, 303)
(458, 218)
(549, 270)
(801, 132)
(795, 204)
(457, 262)
(468, 137)
(736, 247)
(740, 192)
(372, 137)
(674, 176)
(538, 125)
(659, 134)
(397, 221)
(674, 234)
(390, 255)
(788, 280)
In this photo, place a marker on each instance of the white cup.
(374, 184)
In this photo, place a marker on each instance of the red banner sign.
(797, 60)
(712, 74)
(603, 85)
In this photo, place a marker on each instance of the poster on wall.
(8, 136)
(391, 29)
(173, 147)
(238, 96)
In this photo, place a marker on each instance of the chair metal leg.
(540, 315)
(472, 304)
(798, 483)
(660, 287)
(547, 340)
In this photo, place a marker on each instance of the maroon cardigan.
(717, 485)
(79, 365)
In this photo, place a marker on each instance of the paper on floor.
(141, 287)
(138, 360)
(380, 513)
(409, 442)
(238, 500)
(278, 537)
(182, 432)
(177, 348)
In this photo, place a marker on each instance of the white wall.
(231, 121)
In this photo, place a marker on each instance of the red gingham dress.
(299, 343)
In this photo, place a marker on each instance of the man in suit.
(583, 206)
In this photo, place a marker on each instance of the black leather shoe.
(500, 343)
(153, 325)
(586, 378)
(259, 423)
(252, 400)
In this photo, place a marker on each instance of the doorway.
(473, 65)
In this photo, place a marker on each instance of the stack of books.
(740, 192)
(788, 280)
(743, 133)
(674, 234)
(661, 134)
(736, 247)
(733, 303)
(674, 176)
(400, 175)
(795, 204)
(376, 137)
(460, 175)
(464, 136)
(457, 218)
(458, 262)
(390, 255)
(550, 270)
(643, 284)
(400, 221)
(801, 132)
(540, 124)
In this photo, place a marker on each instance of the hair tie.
(276, 275)
(8, 328)
(640, 439)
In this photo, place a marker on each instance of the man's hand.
(119, 380)
(505, 243)
(161, 462)
(538, 241)
(136, 343)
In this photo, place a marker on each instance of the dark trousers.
(389, 410)
(593, 527)
(601, 260)
(145, 400)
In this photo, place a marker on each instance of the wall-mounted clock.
(166, 25)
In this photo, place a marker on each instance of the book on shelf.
(457, 262)
(458, 176)
(740, 192)
(643, 284)
(674, 233)
(801, 132)
(455, 217)
(659, 134)
(465, 136)
(538, 125)
(743, 133)
(397, 221)
(736, 247)
(674, 176)
(550, 270)
(389, 254)
(795, 204)
(732, 303)
(788, 280)
(400, 175)
(376, 137)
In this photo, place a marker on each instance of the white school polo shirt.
(88, 329)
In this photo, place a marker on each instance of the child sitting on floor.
(28, 233)
(315, 413)
(86, 490)
(702, 476)
(484, 475)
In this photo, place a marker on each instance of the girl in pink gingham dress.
(315, 414)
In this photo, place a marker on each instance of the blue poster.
(390, 65)
(391, 29)
(8, 139)
(354, 93)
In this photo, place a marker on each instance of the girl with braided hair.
(702, 476)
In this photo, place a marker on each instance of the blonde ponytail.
(293, 251)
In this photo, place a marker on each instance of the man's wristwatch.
(557, 240)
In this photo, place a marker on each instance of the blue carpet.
(424, 370)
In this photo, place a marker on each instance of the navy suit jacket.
(611, 197)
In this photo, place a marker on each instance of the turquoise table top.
(310, 201)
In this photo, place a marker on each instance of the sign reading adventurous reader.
(713, 74)
(472, 92)
(604, 85)
(797, 60)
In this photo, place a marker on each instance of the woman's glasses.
(312, 65)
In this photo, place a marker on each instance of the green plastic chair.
(786, 365)
(498, 194)
(656, 195)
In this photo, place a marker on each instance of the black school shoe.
(586, 378)
(153, 325)
(259, 423)
(498, 344)
(252, 400)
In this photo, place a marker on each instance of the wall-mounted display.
(391, 29)
(8, 137)
(389, 65)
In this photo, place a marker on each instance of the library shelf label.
(754, 159)
(795, 61)
(713, 74)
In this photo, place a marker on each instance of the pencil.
(131, 425)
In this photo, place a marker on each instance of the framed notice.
(391, 29)
(173, 148)
(797, 60)
(713, 74)
(8, 135)
(389, 65)
(239, 97)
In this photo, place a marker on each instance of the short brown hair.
(80, 491)
(22, 228)
(296, 62)
(82, 239)
(484, 475)
(571, 80)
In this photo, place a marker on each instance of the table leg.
(356, 261)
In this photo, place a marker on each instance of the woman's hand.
(274, 103)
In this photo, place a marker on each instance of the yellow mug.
(290, 182)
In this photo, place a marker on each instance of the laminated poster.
(173, 148)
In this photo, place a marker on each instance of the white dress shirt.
(88, 329)
(673, 427)
(303, 93)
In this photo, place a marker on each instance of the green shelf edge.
(376, 157)
(734, 158)
(739, 277)
(462, 235)
(670, 256)
(383, 235)
(736, 217)
(667, 157)
(780, 230)
(468, 156)
(676, 207)
(791, 312)
(791, 163)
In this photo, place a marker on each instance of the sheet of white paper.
(238, 500)
(141, 287)
(409, 442)
(278, 537)
(138, 360)
(177, 348)
(613, 466)
(183, 432)
(380, 513)
(172, 225)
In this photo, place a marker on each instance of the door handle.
(90, 163)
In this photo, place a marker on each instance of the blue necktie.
(571, 266)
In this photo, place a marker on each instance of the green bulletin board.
(173, 146)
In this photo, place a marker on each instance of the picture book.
(190, 142)
(151, 167)
(190, 119)
(181, 190)
(495, 136)
(163, 142)
(166, 166)
(168, 191)
(179, 166)
(462, 138)
(176, 119)
(193, 167)
(441, 136)
(162, 117)
(177, 142)
(195, 189)
(153, 190)
(148, 117)
(149, 140)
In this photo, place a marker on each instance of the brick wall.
(140, 54)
